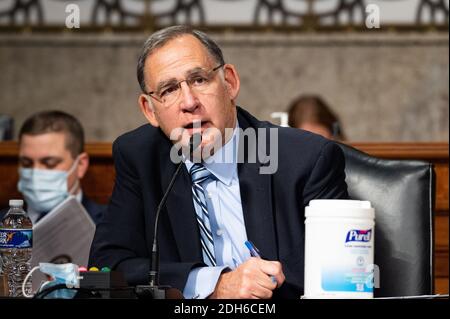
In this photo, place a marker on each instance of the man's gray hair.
(161, 37)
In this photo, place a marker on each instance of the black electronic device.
(105, 285)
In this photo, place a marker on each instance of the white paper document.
(63, 235)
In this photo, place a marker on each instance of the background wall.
(385, 87)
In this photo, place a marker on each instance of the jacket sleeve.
(327, 178)
(119, 241)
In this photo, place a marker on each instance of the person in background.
(52, 162)
(311, 113)
(6, 127)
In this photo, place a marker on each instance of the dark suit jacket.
(273, 205)
(95, 210)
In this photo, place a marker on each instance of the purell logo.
(359, 235)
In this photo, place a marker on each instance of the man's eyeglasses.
(199, 81)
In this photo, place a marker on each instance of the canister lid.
(340, 208)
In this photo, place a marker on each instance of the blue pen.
(254, 252)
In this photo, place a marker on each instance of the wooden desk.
(3, 286)
(99, 181)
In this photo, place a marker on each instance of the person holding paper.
(52, 162)
(248, 180)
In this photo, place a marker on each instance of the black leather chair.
(402, 193)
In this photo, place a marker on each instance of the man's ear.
(148, 109)
(83, 165)
(232, 81)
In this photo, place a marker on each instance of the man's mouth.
(196, 125)
(190, 125)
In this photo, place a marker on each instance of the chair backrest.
(402, 193)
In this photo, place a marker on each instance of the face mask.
(66, 274)
(43, 189)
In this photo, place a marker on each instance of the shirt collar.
(223, 163)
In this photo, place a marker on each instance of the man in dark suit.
(224, 195)
(52, 162)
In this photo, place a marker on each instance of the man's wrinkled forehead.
(177, 57)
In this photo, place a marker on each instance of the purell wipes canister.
(339, 249)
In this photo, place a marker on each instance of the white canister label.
(355, 272)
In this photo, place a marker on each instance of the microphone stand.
(153, 290)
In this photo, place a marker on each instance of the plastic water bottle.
(16, 232)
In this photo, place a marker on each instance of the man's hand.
(251, 279)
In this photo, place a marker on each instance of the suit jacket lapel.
(181, 212)
(256, 197)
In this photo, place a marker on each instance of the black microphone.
(154, 290)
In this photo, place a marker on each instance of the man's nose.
(189, 100)
(38, 166)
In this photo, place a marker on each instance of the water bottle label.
(16, 238)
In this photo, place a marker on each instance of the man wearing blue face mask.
(52, 162)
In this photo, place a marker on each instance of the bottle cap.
(16, 202)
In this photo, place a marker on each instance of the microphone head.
(194, 142)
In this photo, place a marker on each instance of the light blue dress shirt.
(223, 199)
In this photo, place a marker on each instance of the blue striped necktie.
(200, 174)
